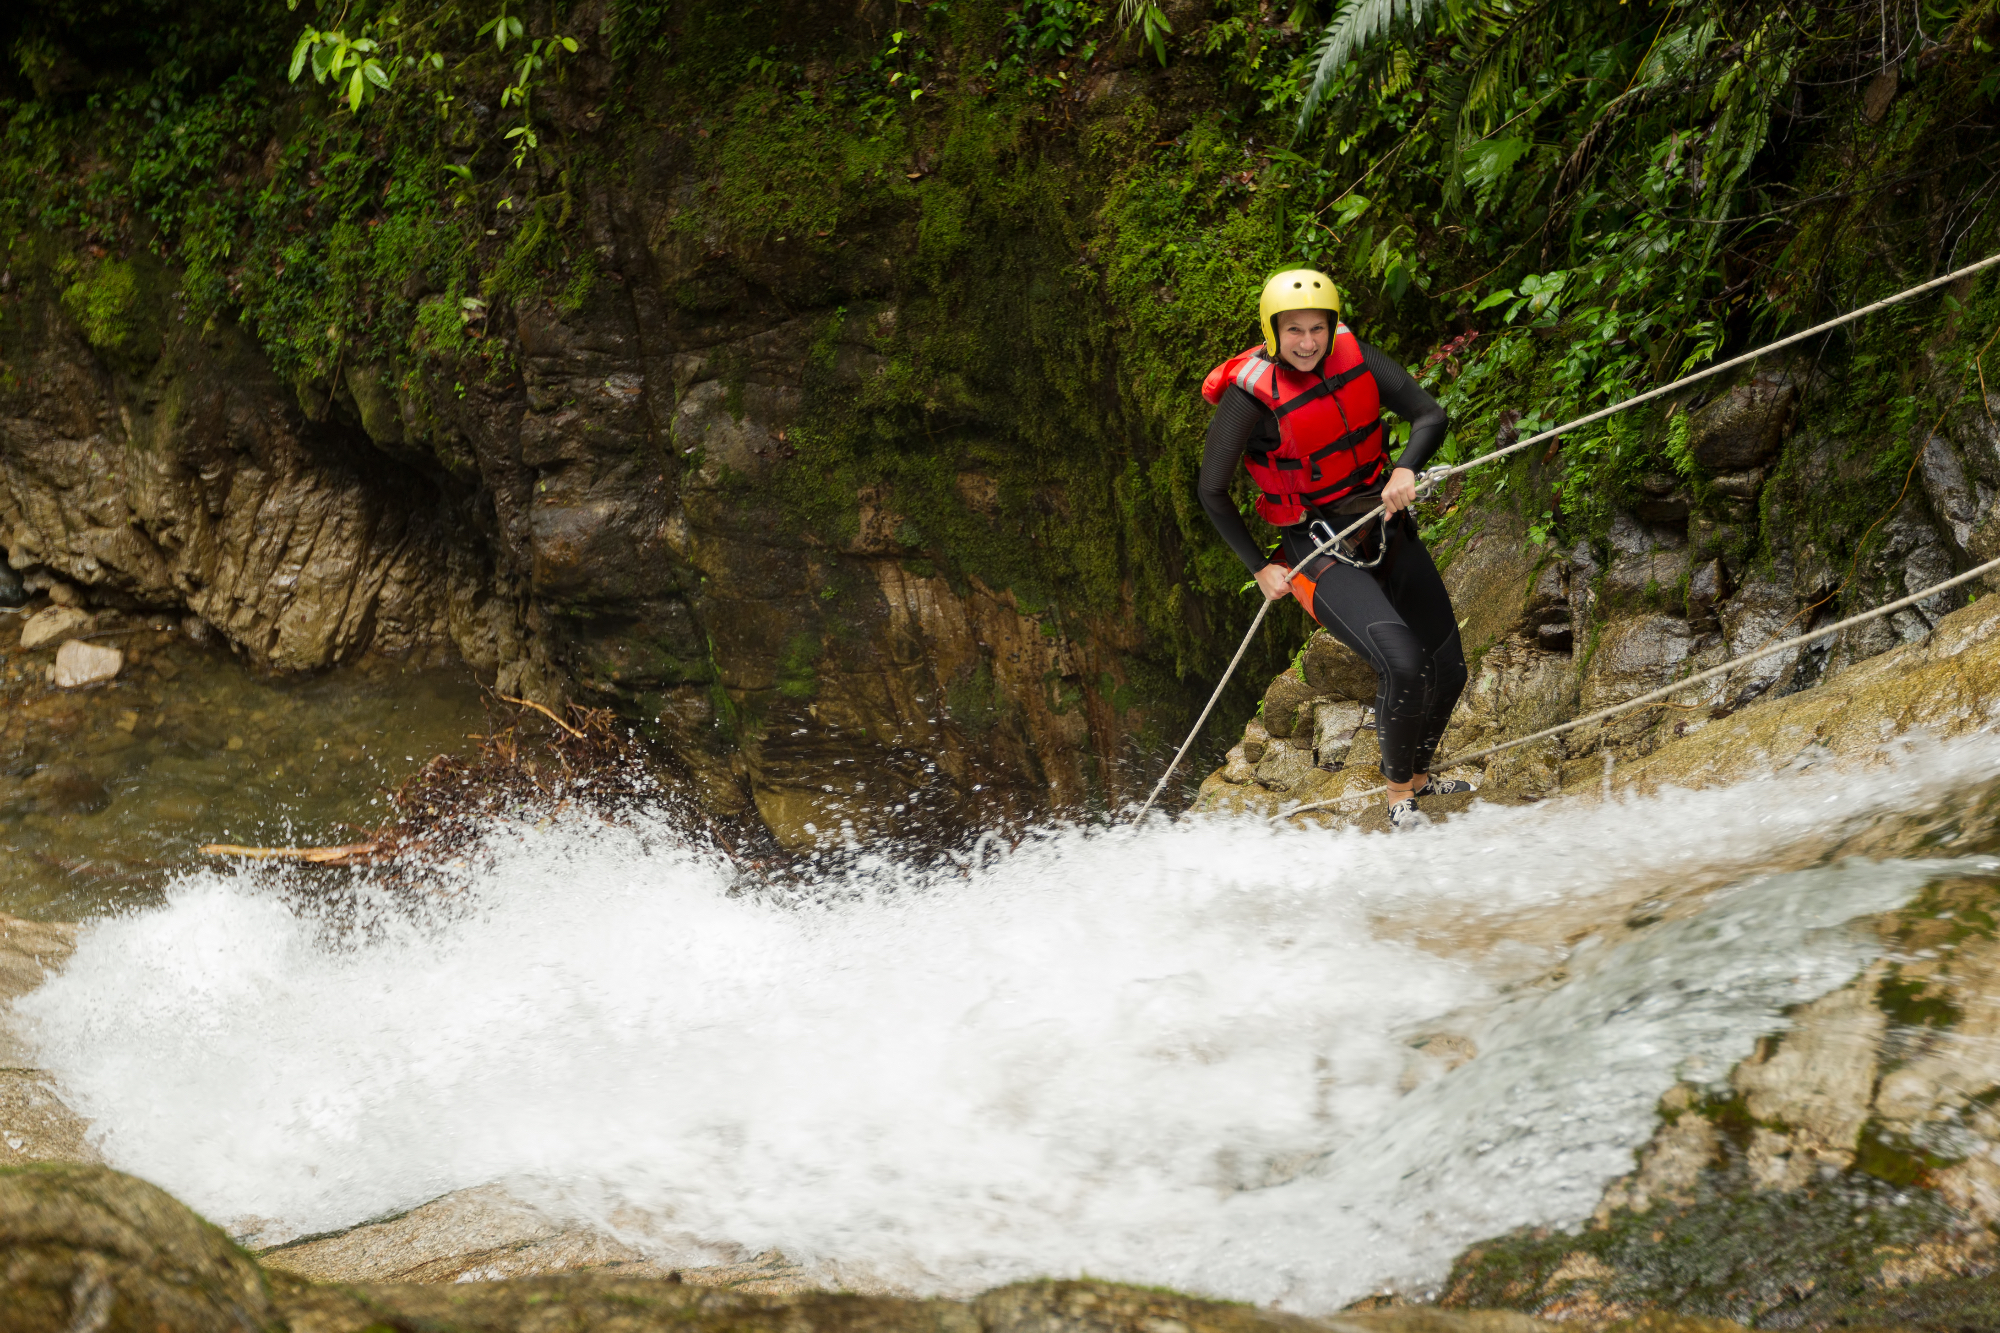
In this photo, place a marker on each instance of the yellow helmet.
(1295, 289)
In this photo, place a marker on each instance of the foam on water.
(1181, 1055)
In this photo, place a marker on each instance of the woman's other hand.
(1276, 581)
(1400, 493)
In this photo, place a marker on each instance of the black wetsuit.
(1397, 615)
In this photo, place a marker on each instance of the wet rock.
(1746, 426)
(1332, 668)
(1255, 740)
(79, 664)
(62, 594)
(483, 1233)
(1708, 586)
(1671, 1166)
(13, 591)
(1583, 576)
(1489, 578)
(50, 624)
(1661, 499)
(1817, 1083)
(1739, 485)
(1237, 768)
(1548, 609)
(1335, 723)
(1762, 611)
(85, 1247)
(1285, 767)
(1635, 654)
(1963, 504)
(1284, 700)
(1941, 685)
(1646, 564)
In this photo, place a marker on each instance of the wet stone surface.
(108, 788)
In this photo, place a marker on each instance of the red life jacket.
(1329, 427)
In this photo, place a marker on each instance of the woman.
(1301, 413)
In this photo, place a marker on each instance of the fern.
(1355, 24)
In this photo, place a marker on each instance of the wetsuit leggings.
(1399, 617)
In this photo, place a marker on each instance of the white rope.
(1655, 696)
(1433, 477)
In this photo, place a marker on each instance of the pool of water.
(104, 791)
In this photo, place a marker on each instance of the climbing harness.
(1321, 532)
(1432, 477)
(1656, 696)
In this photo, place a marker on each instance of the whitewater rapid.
(1191, 1054)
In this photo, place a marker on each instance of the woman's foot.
(1404, 815)
(1442, 787)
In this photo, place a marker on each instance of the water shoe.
(1404, 815)
(1443, 787)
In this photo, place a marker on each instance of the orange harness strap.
(1302, 589)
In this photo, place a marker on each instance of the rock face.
(621, 521)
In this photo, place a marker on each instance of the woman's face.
(1303, 337)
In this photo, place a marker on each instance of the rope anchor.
(1432, 477)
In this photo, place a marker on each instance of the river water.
(1212, 1054)
(106, 792)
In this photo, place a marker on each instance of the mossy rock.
(89, 1247)
(116, 306)
(1332, 668)
(1284, 703)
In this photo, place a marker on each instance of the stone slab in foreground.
(86, 1247)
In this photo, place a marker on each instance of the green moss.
(1766, 1259)
(797, 676)
(117, 312)
(972, 702)
(1915, 1002)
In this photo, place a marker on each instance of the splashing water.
(1191, 1054)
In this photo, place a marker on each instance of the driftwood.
(354, 853)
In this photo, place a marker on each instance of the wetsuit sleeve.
(1409, 400)
(1230, 430)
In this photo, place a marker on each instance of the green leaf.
(569, 45)
(299, 53)
(376, 75)
(1504, 294)
(357, 88)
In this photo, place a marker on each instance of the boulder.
(1745, 427)
(79, 663)
(1283, 702)
(49, 624)
(84, 1247)
(1332, 668)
